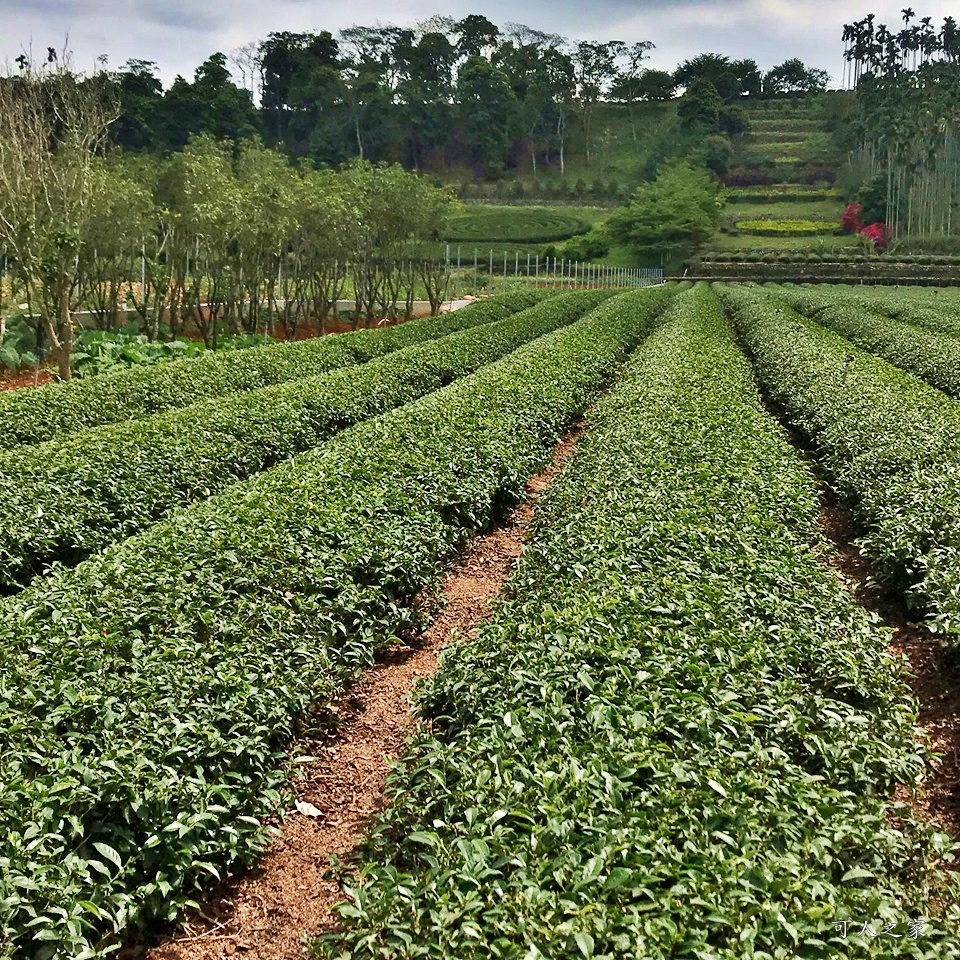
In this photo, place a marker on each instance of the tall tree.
(475, 34)
(595, 65)
(485, 105)
(53, 125)
(426, 92)
(141, 105)
(626, 86)
(792, 76)
(714, 69)
(211, 104)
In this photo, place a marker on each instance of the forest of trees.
(907, 123)
(277, 178)
(445, 93)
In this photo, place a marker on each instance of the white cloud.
(180, 34)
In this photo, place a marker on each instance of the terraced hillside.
(779, 192)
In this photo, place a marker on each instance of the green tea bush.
(30, 416)
(157, 684)
(931, 356)
(62, 500)
(889, 441)
(785, 228)
(514, 225)
(679, 734)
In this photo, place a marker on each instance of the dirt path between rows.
(267, 914)
(934, 675)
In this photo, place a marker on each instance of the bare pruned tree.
(246, 61)
(53, 126)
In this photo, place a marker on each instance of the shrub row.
(779, 192)
(889, 441)
(933, 357)
(847, 255)
(30, 416)
(62, 500)
(678, 735)
(770, 269)
(921, 308)
(786, 228)
(150, 691)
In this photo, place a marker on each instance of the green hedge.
(30, 416)
(933, 357)
(889, 441)
(932, 309)
(679, 734)
(514, 225)
(62, 500)
(150, 691)
(785, 228)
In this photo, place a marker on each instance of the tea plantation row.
(933, 356)
(149, 693)
(30, 416)
(679, 734)
(889, 442)
(64, 499)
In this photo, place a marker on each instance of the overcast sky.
(180, 34)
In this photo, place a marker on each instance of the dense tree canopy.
(907, 121)
(426, 96)
(669, 217)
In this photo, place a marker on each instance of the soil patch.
(269, 912)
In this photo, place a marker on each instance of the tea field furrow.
(679, 734)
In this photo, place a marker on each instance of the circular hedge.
(514, 225)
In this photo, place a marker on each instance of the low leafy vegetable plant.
(64, 499)
(30, 416)
(678, 735)
(100, 352)
(129, 778)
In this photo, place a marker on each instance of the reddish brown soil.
(15, 379)
(269, 912)
(934, 674)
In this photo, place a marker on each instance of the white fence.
(468, 267)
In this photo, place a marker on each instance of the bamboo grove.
(908, 93)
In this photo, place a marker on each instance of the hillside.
(780, 192)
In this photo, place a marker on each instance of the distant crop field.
(814, 244)
(489, 224)
(785, 210)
